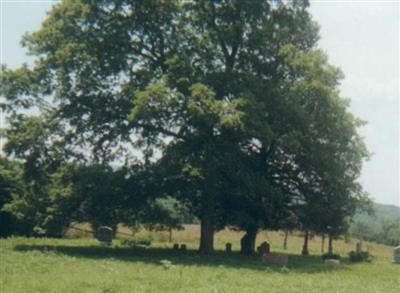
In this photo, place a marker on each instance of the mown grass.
(82, 265)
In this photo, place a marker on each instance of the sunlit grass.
(82, 265)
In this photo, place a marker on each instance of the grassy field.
(82, 265)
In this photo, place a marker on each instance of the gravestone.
(358, 247)
(104, 235)
(228, 247)
(183, 247)
(396, 254)
(263, 248)
(176, 246)
(332, 262)
(275, 258)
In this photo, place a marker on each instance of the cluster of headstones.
(396, 251)
(263, 248)
(269, 257)
(182, 247)
(105, 235)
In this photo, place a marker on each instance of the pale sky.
(361, 37)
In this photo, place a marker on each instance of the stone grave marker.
(358, 247)
(176, 246)
(332, 262)
(264, 248)
(228, 247)
(275, 258)
(396, 254)
(183, 247)
(104, 235)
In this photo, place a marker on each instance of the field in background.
(191, 234)
(82, 265)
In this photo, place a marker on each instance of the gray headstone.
(228, 247)
(264, 248)
(358, 247)
(396, 254)
(104, 235)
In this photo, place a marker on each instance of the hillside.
(382, 227)
(382, 211)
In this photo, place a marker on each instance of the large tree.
(326, 152)
(189, 84)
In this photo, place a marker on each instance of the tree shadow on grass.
(297, 263)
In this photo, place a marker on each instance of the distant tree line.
(227, 107)
(383, 226)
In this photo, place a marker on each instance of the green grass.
(82, 265)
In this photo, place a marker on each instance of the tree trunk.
(285, 240)
(206, 236)
(305, 245)
(94, 227)
(330, 247)
(248, 241)
(207, 227)
(323, 243)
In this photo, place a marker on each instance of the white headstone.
(332, 262)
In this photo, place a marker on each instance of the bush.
(359, 257)
(7, 227)
(330, 256)
(10, 225)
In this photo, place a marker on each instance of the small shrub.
(330, 256)
(359, 257)
(285, 269)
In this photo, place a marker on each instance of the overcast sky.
(361, 37)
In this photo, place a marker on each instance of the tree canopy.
(228, 104)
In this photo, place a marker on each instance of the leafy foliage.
(381, 226)
(226, 106)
